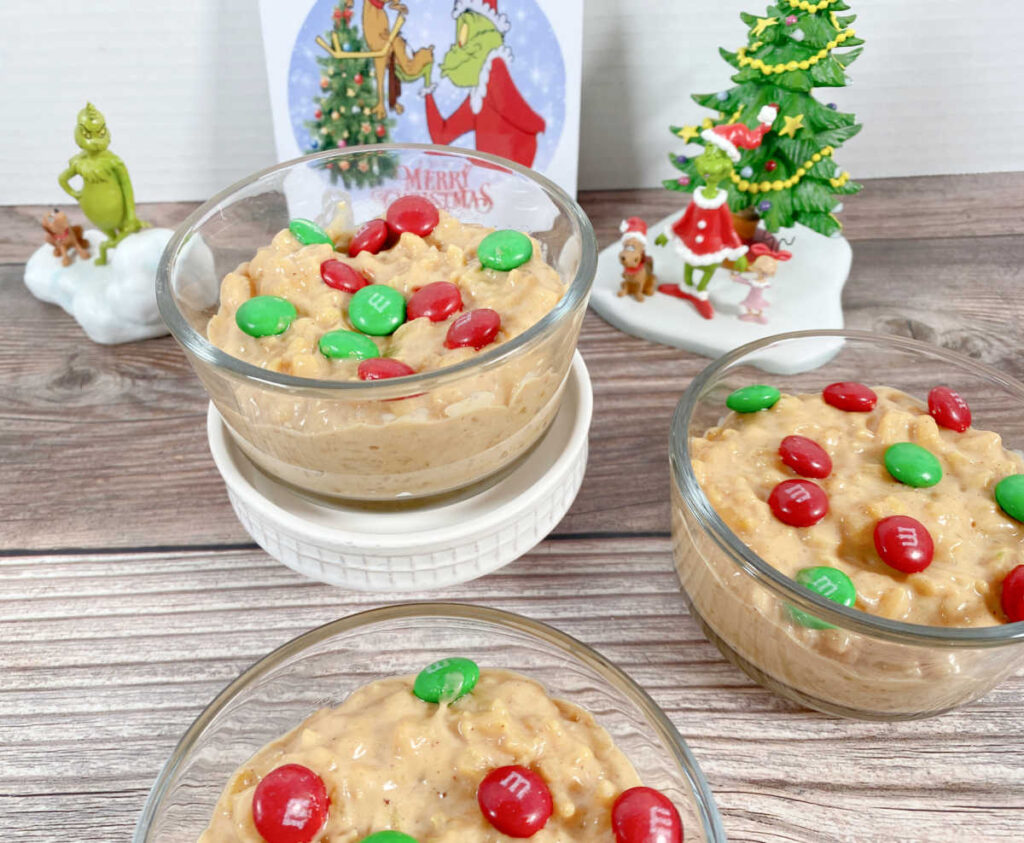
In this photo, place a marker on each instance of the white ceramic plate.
(422, 547)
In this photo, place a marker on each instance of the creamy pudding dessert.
(874, 500)
(454, 754)
(414, 292)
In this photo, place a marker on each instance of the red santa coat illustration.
(705, 234)
(504, 123)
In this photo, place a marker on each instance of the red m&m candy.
(515, 800)
(643, 815)
(904, 543)
(290, 805)
(412, 214)
(371, 238)
(805, 456)
(1013, 594)
(474, 329)
(850, 396)
(798, 503)
(341, 276)
(949, 409)
(381, 368)
(436, 301)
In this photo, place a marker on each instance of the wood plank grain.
(109, 442)
(124, 650)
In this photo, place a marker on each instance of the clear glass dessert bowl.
(858, 665)
(322, 667)
(414, 437)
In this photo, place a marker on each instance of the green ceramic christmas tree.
(345, 110)
(792, 177)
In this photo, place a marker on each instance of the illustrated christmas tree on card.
(349, 111)
(792, 177)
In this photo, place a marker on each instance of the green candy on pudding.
(347, 345)
(753, 399)
(1010, 496)
(911, 464)
(378, 310)
(265, 316)
(504, 250)
(308, 232)
(389, 837)
(830, 583)
(446, 680)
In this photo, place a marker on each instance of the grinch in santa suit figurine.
(704, 236)
(504, 122)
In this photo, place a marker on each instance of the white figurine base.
(114, 303)
(805, 295)
(415, 548)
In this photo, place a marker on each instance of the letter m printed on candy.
(824, 586)
(907, 536)
(662, 821)
(378, 302)
(516, 784)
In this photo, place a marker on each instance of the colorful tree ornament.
(776, 66)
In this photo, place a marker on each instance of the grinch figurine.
(704, 235)
(503, 122)
(106, 195)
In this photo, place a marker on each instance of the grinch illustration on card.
(496, 76)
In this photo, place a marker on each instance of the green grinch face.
(91, 130)
(475, 38)
(713, 165)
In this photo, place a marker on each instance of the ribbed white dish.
(415, 548)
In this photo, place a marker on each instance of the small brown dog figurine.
(64, 237)
(637, 266)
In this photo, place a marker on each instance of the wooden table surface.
(130, 595)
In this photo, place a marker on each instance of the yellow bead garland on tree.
(806, 64)
(793, 180)
(811, 7)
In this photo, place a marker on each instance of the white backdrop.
(184, 90)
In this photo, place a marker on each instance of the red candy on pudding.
(805, 456)
(371, 238)
(381, 368)
(290, 805)
(904, 543)
(949, 409)
(413, 215)
(643, 815)
(474, 329)
(515, 800)
(1012, 599)
(798, 503)
(341, 276)
(436, 301)
(850, 396)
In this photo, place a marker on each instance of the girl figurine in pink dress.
(764, 266)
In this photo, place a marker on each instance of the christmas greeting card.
(498, 76)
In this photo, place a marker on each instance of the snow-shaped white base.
(804, 295)
(114, 303)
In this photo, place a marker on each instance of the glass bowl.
(416, 437)
(867, 667)
(321, 667)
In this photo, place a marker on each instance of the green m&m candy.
(446, 680)
(308, 232)
(504, 250)
(265, 316)
(377, 309)
(347, 345)
(389, 837)
(751, 399)
(911, 464)
(1010, 496)
(828, 582)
